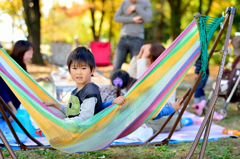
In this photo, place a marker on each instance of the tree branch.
(101, 21)
(209, 7)
(185, 7)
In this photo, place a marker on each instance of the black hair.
(19, 49)
(126, 80)
(81, 55)
(155, 51)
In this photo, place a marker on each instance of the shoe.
(217, 116)
(199, 107)
(39, 132)
(194, 105)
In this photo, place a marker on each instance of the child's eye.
(83, 68)
(74, 68)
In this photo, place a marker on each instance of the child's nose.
(79, 71)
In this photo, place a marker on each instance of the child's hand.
(119, 100)
(51, 104)
(177, 105)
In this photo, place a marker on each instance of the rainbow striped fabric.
(144, 100)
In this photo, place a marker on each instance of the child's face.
(81, 74)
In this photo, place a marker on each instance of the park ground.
(226, 148)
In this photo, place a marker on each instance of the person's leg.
(199, 92)
(199, 95)
(203, 96)
(120, 54)
(135, 46)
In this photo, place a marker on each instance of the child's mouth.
(79, 78)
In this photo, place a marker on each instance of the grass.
(222, 149)
(226, 148)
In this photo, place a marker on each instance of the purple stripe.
(139, 120)
(146, 113)
(27, 92)
(174, 43)
(2, 67)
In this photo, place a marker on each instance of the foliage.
(15, 10)
(170, 17)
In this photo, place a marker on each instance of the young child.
(121, 80)
(85, 100)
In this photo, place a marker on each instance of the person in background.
(132, 14)
(140, 63)
(146, 56)
(121, 80)
(22, 53)
(121, 83)
(199, 94)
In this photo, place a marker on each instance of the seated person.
(118, 88)
(22, 53)
(146, 56)
(85, 100)
(121, 80)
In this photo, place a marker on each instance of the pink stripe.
(174, 43)
(27, 92)
(149, 110)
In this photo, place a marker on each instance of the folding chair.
(101, 52)
(21, 145)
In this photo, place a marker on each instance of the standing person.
(199, 94)
(133, 14)
(22, 53)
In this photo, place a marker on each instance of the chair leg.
(9, 148)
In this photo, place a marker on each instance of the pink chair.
(101, 52)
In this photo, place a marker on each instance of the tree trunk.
(92, 10)
(209, 7)
(32, 19)
(111, 21)
(161, 24)
(200, 7)
(96, 34)
(175, 18)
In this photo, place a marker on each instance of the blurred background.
(50, 24)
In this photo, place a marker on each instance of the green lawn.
(226, 148)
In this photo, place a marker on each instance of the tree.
(32, 17)
(15, 10)
(178, 8)
(93, 8)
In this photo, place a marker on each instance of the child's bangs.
(79, 63)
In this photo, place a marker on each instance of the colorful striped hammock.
(144, 100)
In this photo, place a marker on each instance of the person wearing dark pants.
(199, 94)
(132, 14)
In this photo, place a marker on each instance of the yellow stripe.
(161, 71)
(35, 88)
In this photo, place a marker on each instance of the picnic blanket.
(186, 134)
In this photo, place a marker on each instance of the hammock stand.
(206, 124)
(187, 97)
